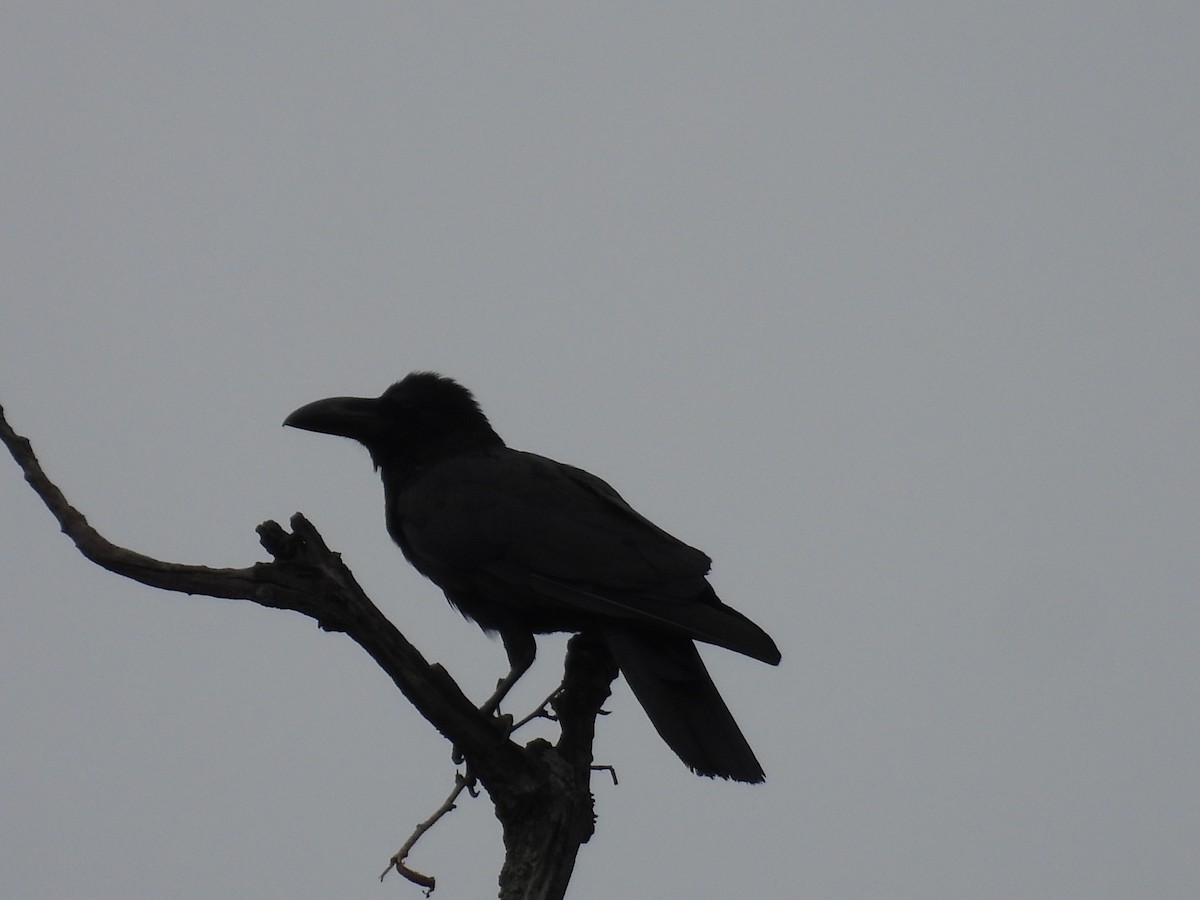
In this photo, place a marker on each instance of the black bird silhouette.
(524, 545)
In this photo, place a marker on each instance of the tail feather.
(670, 681)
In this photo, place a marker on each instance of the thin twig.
(542, 711)
(611, 770)
(428, 882)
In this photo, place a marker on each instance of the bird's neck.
(399, 465)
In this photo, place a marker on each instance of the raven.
(524, 545)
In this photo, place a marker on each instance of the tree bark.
(541, 792)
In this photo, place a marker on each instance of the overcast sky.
(890, 308)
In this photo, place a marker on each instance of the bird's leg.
(522, 650)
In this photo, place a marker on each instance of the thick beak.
(352, 417)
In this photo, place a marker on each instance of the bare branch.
(541, 792)
(305, 577)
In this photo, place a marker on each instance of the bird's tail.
(669, 679)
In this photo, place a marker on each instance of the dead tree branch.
(540, 791)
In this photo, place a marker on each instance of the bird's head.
(423, 417)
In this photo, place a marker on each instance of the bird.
(524, 545)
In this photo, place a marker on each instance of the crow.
(524, 545)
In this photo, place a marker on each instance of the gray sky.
(891, 308)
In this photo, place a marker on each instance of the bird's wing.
(567, 541)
